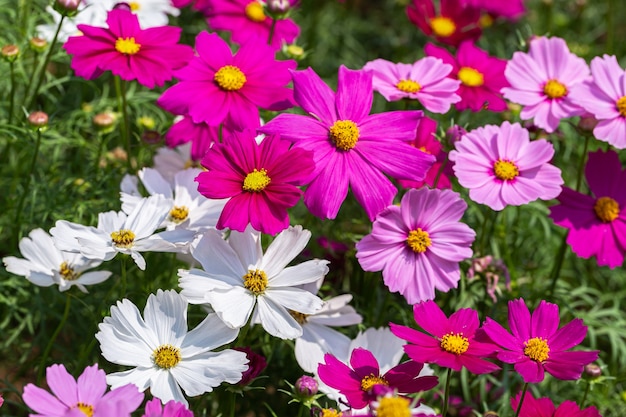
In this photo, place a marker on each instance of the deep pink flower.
(537, 345)
(149, 56)
(510, 9)
(260, 180)
(501, 166)
(256, 365)
(245, 19)
(452, 25)
(605, 97)
(451, 343)
(542, 79)
(356, 381)
(154, 408)
(597, 224)
(350, 147)
(419, 244)
(426, 81)
(201, 135)
(543, 407)
(217, 87)
(86, 394)
(481, 76)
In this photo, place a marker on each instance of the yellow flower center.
(127, 46)
(408, 86)
(485, 21)
(67, 272)
(301, 318)
(86, 409)
(606, 209)
(254, 11)
(418, 240)
(256, 181)
(393, 407)
(134, 6)
(537, 349)
(179, 214)
(455, 343)
(166, 356)
(554, 89)
(229, 78)
(505, 170)
(621, 106)
(330, 412)
(344, 134)
(123, 238)
(442, 26)
(369, 381)
(255, 281)
(470, 77)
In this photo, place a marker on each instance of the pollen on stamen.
(442, 26)
(123, 238)
(254, 11)
(127, 46)
(455, 343)
(505, 170)
(230, 78)
(255, 281)
(394, 407)
(301, 318)
(256, 181)
(86, 409)
(344, 134)
(368, 382)
(607, 209)
(537, 349)
(179, 214)
(470, 77)
(67, 272)
(166, 356)
(418, 240)
(554, 89)
(621, 106)
(408, 86)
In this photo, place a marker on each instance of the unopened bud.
(455, 133)
(150, 137)
(593, 371)
(490, 414)
(10, 52)
(38, 120)
(67, 7)
(104, 122)
(146, 122)
(38, 44)
(278, 6)
(294, 51)
(123, 6)
(587, 122)
(306, 386)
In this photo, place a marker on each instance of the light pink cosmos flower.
(149, 56)
(426, 80)
(350, 147)
(597, 222)
(605, 97)
(537, 345)
(87, 395)
(481, 76)
(172, 408)
(542, 79)
(501, 166)
(219, 87)
(419, 244)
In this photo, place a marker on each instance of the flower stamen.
(537, 349)
(554, 89)
(255, 281)
(368, 382)
(408, 86)
(442, 26)
(67, 272)
(166, 356)
(179, 214)
(418, 240)
(393, 407)
(123, 238)
(86, 409)
(256, 181)
(344, 134)
(607, 209)
(230, 78)
(505, 170)
(127, 46)
(455, 343)
(254, 11)
(301, 318)
(470, 77)
(621, 106)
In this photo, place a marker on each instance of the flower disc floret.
(344, 134)
(393, 407)
(418, 240)
(127, 46)
(255, 281)
(408, 86)
(621, 106)
(230, 78)
(554, 89)
(537, 349)
(123, 238)
(254, 11)
(166, 356)
(179, 214)
(256, 181)
(86, 409)
(442, 26)
(67, 272)
(607, 209)
(505, 170)
(301, 318)
(455, 343)
(470, 77)
(369, 381)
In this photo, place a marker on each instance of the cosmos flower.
(154, 408)
(510, 9)
(596, 223)
(542, 79)
(537, 345)
(419, 244)
(149, 56)
(501, 166)
(543, 407)
(452, 25)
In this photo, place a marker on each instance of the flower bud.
(123, 6)
(278, 6)
(256, 365)
(455, 133)
(593, 371)
(146, 122)
(67, 7)
(587, 122)
(38, 44)
(490, 414)
(294, 51)
(104, 122)
(306, 386)
(10, 52)
(38, 120)
(150, 137)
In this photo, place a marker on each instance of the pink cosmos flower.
(350, 147)
(510, 9)
(452, 25)
(419, 244)
(537, 345)
(201, 135)
(542, 79)
(357, 382)
(481, 76)
(543, 407)
(154, 408)
(605, 97)
(86, 394)
(597, 224)
(245, 19)
(217, 87)
(149, 56)
(426, 80)
(426, 141)
(261, 180)
(501, 166)
(451, 342)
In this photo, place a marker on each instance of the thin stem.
(46, 352)
(20, 205)
(521, 400)
(120, 90)
(587, 389)
(272, 29)
(101, 142)
(233, 402)
(12, 93)
(581, 167)
(446, 394)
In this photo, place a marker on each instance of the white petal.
(208, 335)
(94, 277)
(197, 283)
(140, 377)
(294, 299)
(117, 346)
(19, 266)
(309, 271)
(39, 248)
(317, 340)
(287, 245)
(165, 387)
(166, 315)
(217, 257)
(111, 221)
(155, 183)
(247, 246)
(385, 347)
(233, 305)
(276, 320)
(147, 216)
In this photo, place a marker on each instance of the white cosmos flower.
(118, 232)
(166, 357)
(170, 161)
(238, 278)
(46, 265)
(151, 13)
(92, 15)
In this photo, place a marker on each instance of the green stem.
(46, 352)
(584, 400)
(120, 90)
(446, 397)
(272, 29)
(12, 93)
(521, 400)
(581, 167)
(233, 402)
(20, 205)
(101, 142)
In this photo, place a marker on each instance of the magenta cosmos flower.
(537, 345)
(149, 56)
(597, 224)
(605, 97)
(510, 9)
(451, 342)
(246, 19)
(356, 382)
(217, 87)
(542, 79)
(350, 147)
(452, 25)
(481, 76)
(154, 408)
(543, 407)
(86, 394)
(260, 180)
(501, 166)
(419, 244)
